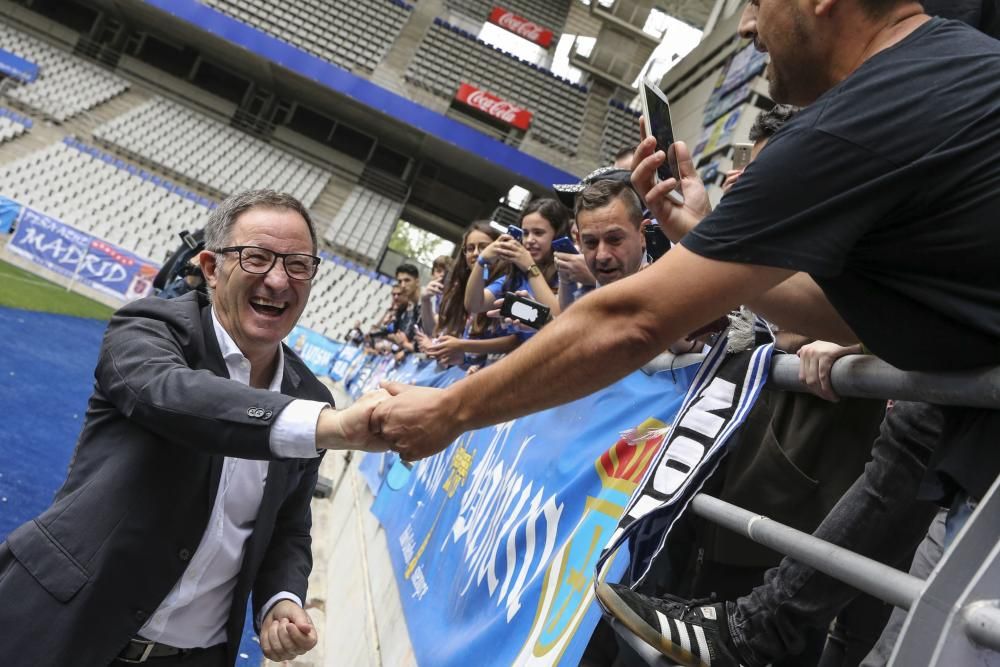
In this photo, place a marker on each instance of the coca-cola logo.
(521, 26)
(501, 109)
(494, 106)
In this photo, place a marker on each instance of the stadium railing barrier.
(954, 616)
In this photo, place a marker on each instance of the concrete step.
(389, 73)
(45, 133)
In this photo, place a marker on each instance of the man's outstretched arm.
(605, 336)
(799, 304)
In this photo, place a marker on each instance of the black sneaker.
(691, 632)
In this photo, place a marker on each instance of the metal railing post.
(886, 583)
(982, 623)
(865, 376)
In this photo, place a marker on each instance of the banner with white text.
(81, 257)
(316, 350)
(495, 539)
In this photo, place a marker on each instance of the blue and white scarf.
(720, 398)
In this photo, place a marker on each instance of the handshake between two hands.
(415, 422)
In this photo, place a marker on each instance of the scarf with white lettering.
(718, 401)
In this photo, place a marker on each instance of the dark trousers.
(878, 517)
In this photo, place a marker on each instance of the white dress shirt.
(195, 612)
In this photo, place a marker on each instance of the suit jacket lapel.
(213, 361)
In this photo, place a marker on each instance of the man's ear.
(642, 231)
(209, 263)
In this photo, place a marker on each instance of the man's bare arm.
(606, 335)
(799, 304)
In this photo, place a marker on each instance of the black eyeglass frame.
(274, 259)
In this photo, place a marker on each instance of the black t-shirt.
(886, 190)
(981, 14)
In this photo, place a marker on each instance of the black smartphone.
(657, 243)
(525, 311)
(563, 244)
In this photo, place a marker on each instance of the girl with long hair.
(458, 332)
(510, 266)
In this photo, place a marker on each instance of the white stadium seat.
(66, 85)
(208, 152)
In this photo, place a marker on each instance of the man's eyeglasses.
(254, 259)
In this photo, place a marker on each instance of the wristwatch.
(534, 271)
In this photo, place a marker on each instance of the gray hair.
(219, 228)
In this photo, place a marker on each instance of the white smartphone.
(741, 156)
(656, 116)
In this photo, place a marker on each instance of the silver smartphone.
(741, 156)
(656, 116)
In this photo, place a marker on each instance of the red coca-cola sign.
(521, 26)
(491, 105)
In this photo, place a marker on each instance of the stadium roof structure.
(694, 12)
(486, 166)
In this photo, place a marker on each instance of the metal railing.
(865, 376)
(954, 615)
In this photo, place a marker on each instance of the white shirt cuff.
(293, 434)
(284, 595)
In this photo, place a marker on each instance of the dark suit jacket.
(80, 580)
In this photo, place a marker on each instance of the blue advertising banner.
(342, 364)
(82, 257)
(496, 538)
(746, 63)
(16, 67)
(316, 350)
(9, 210)
(375, 467)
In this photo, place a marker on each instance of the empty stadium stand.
(364, 222)
(449, 56)
(621, 129)
(353, 35)
(66, 85)
(204, 151)
(342, 294)
(549, 14)
(104, 196)
(12, 125)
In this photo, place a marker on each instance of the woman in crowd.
(528, 265)
(461, 336)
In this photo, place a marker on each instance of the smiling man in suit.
(191, 480)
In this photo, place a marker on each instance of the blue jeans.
(879, 517)
(958, 516)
